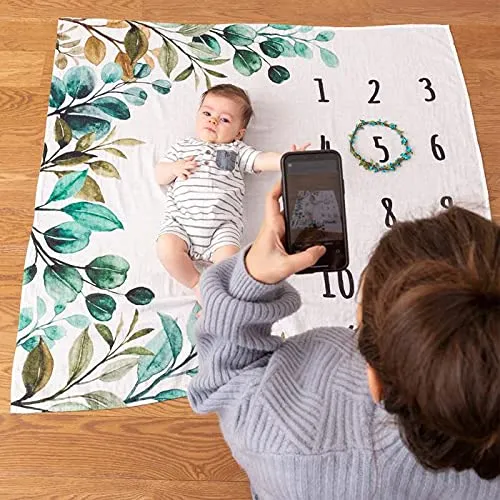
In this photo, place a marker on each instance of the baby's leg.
(224, 252)
(173, 254)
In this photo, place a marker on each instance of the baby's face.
(219, 120)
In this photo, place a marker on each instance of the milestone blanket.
(101, 323)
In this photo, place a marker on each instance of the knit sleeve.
(234, 338)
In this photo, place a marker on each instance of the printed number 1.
(322, 97)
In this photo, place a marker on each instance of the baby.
(205, 186)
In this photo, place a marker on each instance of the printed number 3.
(428, 86)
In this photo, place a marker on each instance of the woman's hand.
(267, 260)
(300, 148)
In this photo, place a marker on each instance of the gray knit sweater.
(297, 414)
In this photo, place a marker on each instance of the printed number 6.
(437, 150)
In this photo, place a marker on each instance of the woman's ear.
(374, 384)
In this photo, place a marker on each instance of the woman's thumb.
(307, 258)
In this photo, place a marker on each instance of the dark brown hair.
(233, 92)
(431, 331)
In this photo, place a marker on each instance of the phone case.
(284, 176)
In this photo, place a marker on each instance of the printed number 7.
(382, 147)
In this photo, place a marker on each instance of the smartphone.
(314, 206)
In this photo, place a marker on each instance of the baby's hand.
(301, 148)
(184, 168)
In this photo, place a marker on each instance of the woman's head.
(430, 331)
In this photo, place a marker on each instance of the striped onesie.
(206, 210)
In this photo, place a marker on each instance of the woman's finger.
(272, 200)
(305, 259)
(294, 147)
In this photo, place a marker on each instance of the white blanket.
(102, 325)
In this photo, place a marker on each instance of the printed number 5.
(382, 147)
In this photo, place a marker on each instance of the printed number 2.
(377, 88)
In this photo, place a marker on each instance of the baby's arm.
(167, 171)
(268, 162)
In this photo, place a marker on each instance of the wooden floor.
(163, 451)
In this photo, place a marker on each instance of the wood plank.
(140, 447)
(39, 487)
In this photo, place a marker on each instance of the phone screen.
(315, 212)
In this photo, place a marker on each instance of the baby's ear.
(241, 134)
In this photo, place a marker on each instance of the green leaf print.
(151, 365)
(329, 58)
(142, 70)
(29, 274)
(184, 74)
(240, 34)
(62, 133)
(80, 355)
(68, 406)
(136, 96)
(118, 369)
(108, 271)
(140, 333)
(202, 51)
(68, 237)
(210, 42)
(191, 324)
(195, 29)
(99, 400)
(37, 369)
(174, 334)
(25, 318)
(302, 50)
(80, 81)
(105, 333)
(283, 27)
(288, 50)
(54, 332)
(325, 36)
(62, 283)
(78, 320)
(67, 186)
(41, 308)
(168, 57)
(85, 141)
(163, 86)
(73, 158)
(136, 43)
(111, 72)
(246, 62)
(271, 49)
(57, 92)
(140, 296)
(104, 168)
(112, 107)
(100, 306)
(278, 74)
(93, 216)
(138, 350)
(87, 118)
(170, 394)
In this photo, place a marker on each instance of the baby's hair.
(430, 329)
(233, 92)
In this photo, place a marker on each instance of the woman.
(408, 410)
